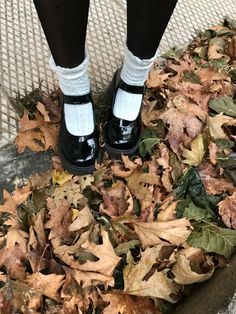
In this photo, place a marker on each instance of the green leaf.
(223, 104)
(181, 206)
(212, 238)
(207, 35)
(217, 64)
(207, 201)
(224, 143)
(173, 53)
(232, 74)
(190, 76)
(147, 146)
(198, 213)
(190, 184)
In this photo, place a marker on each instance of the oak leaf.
(31, 139)
(128, 304)
(156, 285)
(215, 125)
(188, 268)
(87, 279)
(157, 78)
(227, 211)
(84, 219)
(47, 285)
(153, 233)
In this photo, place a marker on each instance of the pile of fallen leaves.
(138, 233)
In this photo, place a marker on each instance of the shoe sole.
(116, 154)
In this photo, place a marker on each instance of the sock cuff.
(135, 70)
(70, 73)
(73, 81)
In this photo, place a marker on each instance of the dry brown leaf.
(182, 269)
(31, 139)
(14, 252)
(40, 181)
(213, 149)
(209, 75)
(166, 180)
(167, 210)
(128, 304)
(87, 279)
(215, 125)
(50, 136)
(213, 183)
(108, 260)
(231, 50)
(60, 218)
(37, 243)
(157, 78)
(227, 211)
(125, 169)
(41, 108)
(47, 285)
(156, 285)
(216, 48)
(25, 124)
(117, 200)
(83, 219)
(153, 233)
(183, 115)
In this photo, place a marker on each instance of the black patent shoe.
(78, 154)
(122, 136)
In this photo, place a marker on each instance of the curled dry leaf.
(227, 211)
(156, 285)
(128, 304)
(12, 255)
(167, 210)
(213, 149)
(125, 169)
(183, 271)
(153, 233)
(47, 285)
(41, 108)
(215, 125)
(83, 219)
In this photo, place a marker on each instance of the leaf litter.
(132, 237)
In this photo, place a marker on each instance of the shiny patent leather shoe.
(78, 154)
(122, 136)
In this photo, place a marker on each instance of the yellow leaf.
(215, 125)
(61, 177)
(195, 155)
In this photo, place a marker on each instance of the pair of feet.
(78, 154)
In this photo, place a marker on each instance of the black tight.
(65, 24)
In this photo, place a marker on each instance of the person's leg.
(146, 23)
(65, 24)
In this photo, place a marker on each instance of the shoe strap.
(77, 100)
(132, 88)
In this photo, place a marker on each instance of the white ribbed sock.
(79, 119)
(134, 72)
